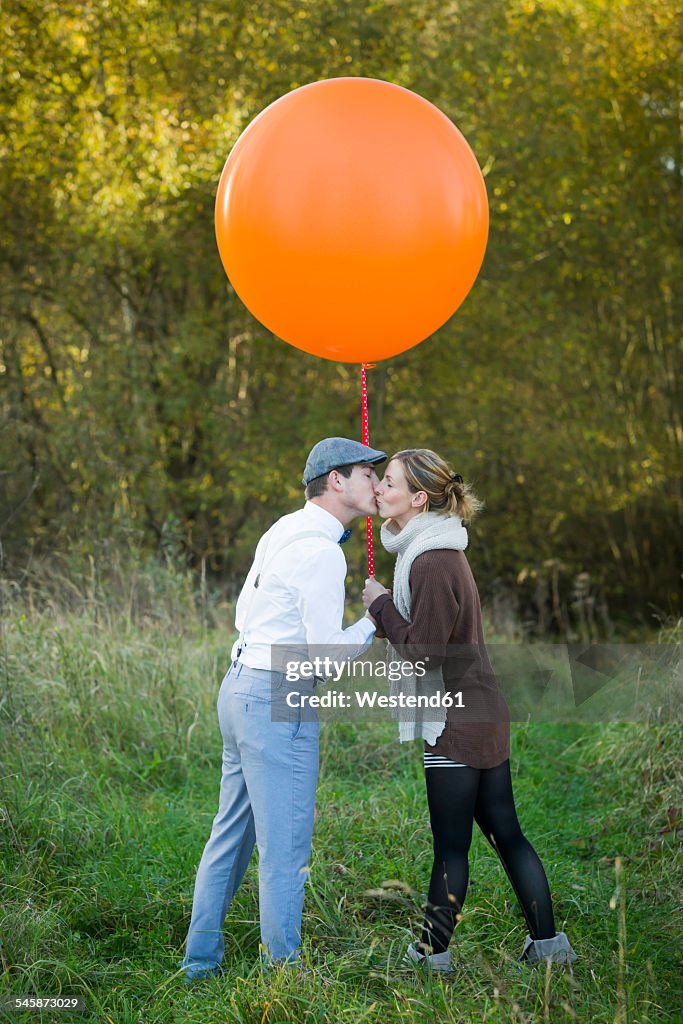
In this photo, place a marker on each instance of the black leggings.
(456, 797)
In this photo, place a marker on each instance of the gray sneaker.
(557, 950)
(440, 962)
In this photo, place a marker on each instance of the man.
(293, 597)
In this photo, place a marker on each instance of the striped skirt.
(438, 761)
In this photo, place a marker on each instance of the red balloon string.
(365, 437)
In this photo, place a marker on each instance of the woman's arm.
(434, 610)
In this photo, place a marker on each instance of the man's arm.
(320, 602)
(247, 590)
(246, 593)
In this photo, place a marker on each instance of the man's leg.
(226, 854)
(280, 763)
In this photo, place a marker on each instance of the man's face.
(359, 491)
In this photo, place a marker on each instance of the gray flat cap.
(332, 452)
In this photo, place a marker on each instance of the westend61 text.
(372, 699)
(328, 668)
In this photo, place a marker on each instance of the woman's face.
(394, 498)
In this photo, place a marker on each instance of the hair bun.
(456, 478)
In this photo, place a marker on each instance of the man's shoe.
(196, 973)
(440, 962)
(557, 950)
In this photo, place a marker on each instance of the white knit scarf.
(427, 531)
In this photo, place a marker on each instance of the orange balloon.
(352, 218)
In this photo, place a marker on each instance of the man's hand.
(372, 591)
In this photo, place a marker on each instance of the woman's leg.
(452, 796)
(497, 818)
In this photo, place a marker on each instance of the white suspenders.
(261, 568)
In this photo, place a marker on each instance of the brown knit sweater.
(446, 624)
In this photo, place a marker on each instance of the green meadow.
(109, 771)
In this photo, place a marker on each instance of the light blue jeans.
(267, 796)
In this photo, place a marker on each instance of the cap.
(332, 452)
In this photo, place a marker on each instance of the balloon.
(352, 218)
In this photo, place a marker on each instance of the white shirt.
(300, 597)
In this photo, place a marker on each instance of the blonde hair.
(446, 492)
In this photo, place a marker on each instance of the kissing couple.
(293, 597)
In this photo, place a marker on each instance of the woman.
(434, 608)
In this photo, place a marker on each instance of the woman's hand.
(372, 591)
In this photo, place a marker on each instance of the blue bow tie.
(345, 536)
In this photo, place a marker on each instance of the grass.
(109, 770)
